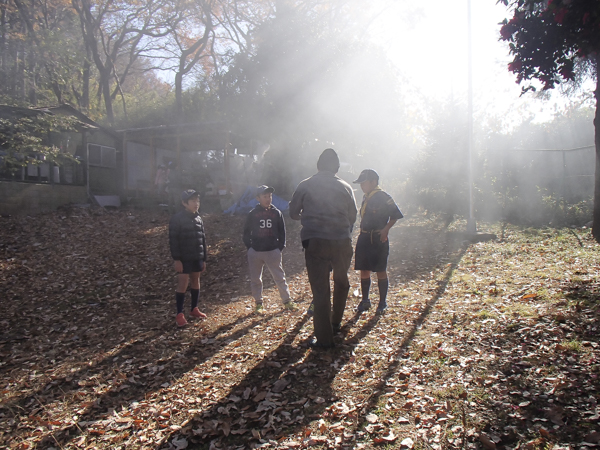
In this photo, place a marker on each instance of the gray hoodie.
(325, 206)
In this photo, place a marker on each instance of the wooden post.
(125, 165)
(226, 162)
(178, 140)
(154, 167)
(86, 152)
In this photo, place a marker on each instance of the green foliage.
(27, 140)
(439, 181)
(510, 182)
(554, 41)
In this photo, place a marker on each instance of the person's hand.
(178, 266)
(383, 236)
(203, 266)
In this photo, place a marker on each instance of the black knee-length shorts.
(192, 266)
(371, 254)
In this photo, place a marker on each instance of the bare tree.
(113, 31)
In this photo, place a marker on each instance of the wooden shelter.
(146, 148)
(94, 170)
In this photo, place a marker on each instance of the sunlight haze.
(428, 45)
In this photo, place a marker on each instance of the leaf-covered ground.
(485, 345)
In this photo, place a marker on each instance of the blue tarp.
(248, 201)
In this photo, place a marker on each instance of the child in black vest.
(188, 249)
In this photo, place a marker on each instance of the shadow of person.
(286, 390)
(114, 383)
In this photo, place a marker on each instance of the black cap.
(186, 195)
(329, 161)
(262, 189)
(367, 174)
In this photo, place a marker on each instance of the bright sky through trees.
(428, 43)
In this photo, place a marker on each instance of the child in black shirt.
(378, 214)
(264, 237)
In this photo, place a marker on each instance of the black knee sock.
(179, 298)
(195, 295)
(383, 289)
(365, 285)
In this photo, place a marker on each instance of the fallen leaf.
(317, 440)
(372, 418)
(592, 438)
(322, 426)
(384, 439)
(180, 444)
(260, 396)
(487, 442)
(555, 415)
(408, 443)
(280, 385)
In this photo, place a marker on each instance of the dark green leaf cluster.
(28, 140)
(548, 38)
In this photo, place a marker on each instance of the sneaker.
(180, 320)
(311, 310)
(197, 313)
(363, 306)
(259, 308)
(381, 308)
(317, 345)
(290, 306)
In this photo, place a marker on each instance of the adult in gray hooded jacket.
(326, 207)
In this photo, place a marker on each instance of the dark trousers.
(321, 255)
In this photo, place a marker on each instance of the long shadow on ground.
(96, 335)
(277, 402)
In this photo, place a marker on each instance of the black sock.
(383, 290)
(195, 295)
(365, 285)
(179, 298)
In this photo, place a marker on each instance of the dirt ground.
(489, 344)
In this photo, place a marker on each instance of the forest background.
(299, 76)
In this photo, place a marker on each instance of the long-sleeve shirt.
(264, 229)
(325, 206)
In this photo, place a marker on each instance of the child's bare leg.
(195, 280)
(182, 283)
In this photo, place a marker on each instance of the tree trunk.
(596, 225)
(85, 95)
(179, 95)
(105, 81)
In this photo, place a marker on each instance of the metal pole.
(471, 224)
(87, 175)
(564, 184)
